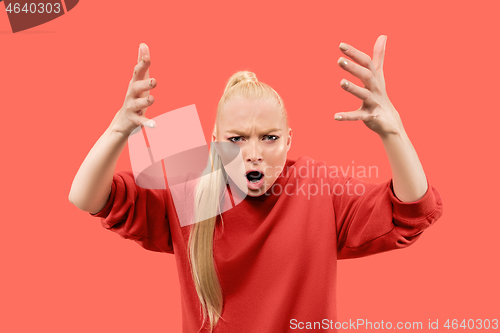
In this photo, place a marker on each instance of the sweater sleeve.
(137, 214)
(371, 219)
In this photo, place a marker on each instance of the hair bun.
(246, 76)
(241, 76)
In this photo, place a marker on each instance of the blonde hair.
(209, 192)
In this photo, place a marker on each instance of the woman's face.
(259, 130)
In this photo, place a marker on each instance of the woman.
(269, 263)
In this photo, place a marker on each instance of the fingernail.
(337, 117)
(343, 47)
(345, 84)
(147, 99)
(143, 59)
(151, 82)
(150, 123)
(343, 63)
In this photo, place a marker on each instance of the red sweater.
(277, 255)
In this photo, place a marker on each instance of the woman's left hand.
(376, 111)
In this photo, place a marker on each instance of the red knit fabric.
(276, 255)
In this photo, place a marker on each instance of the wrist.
(398, 132)
(395, 128)
(116, 134)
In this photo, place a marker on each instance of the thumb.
(147, 122)
(379, 52)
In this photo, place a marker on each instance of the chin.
(254, 193)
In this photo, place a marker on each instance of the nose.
(254, 153)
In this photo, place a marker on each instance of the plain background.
(62, 83)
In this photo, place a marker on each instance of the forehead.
(242, 113)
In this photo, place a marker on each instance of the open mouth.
(254, 176)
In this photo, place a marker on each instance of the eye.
(234, 137)
(273, 136)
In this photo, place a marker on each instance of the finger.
(139, 105)
(145, 58)
(137, 88)
(354, 115)
(143, 50)
(379, 52)
(141, 70)
(361, 93)
(361, 58)
(365, 75)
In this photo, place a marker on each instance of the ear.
(289, 140)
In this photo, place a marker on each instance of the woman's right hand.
(138, 98)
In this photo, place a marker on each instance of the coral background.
(62, 83)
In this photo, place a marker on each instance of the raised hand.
(376, 111)
(137, 99)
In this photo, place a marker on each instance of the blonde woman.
(269, 263)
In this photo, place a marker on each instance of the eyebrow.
(264, 131)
